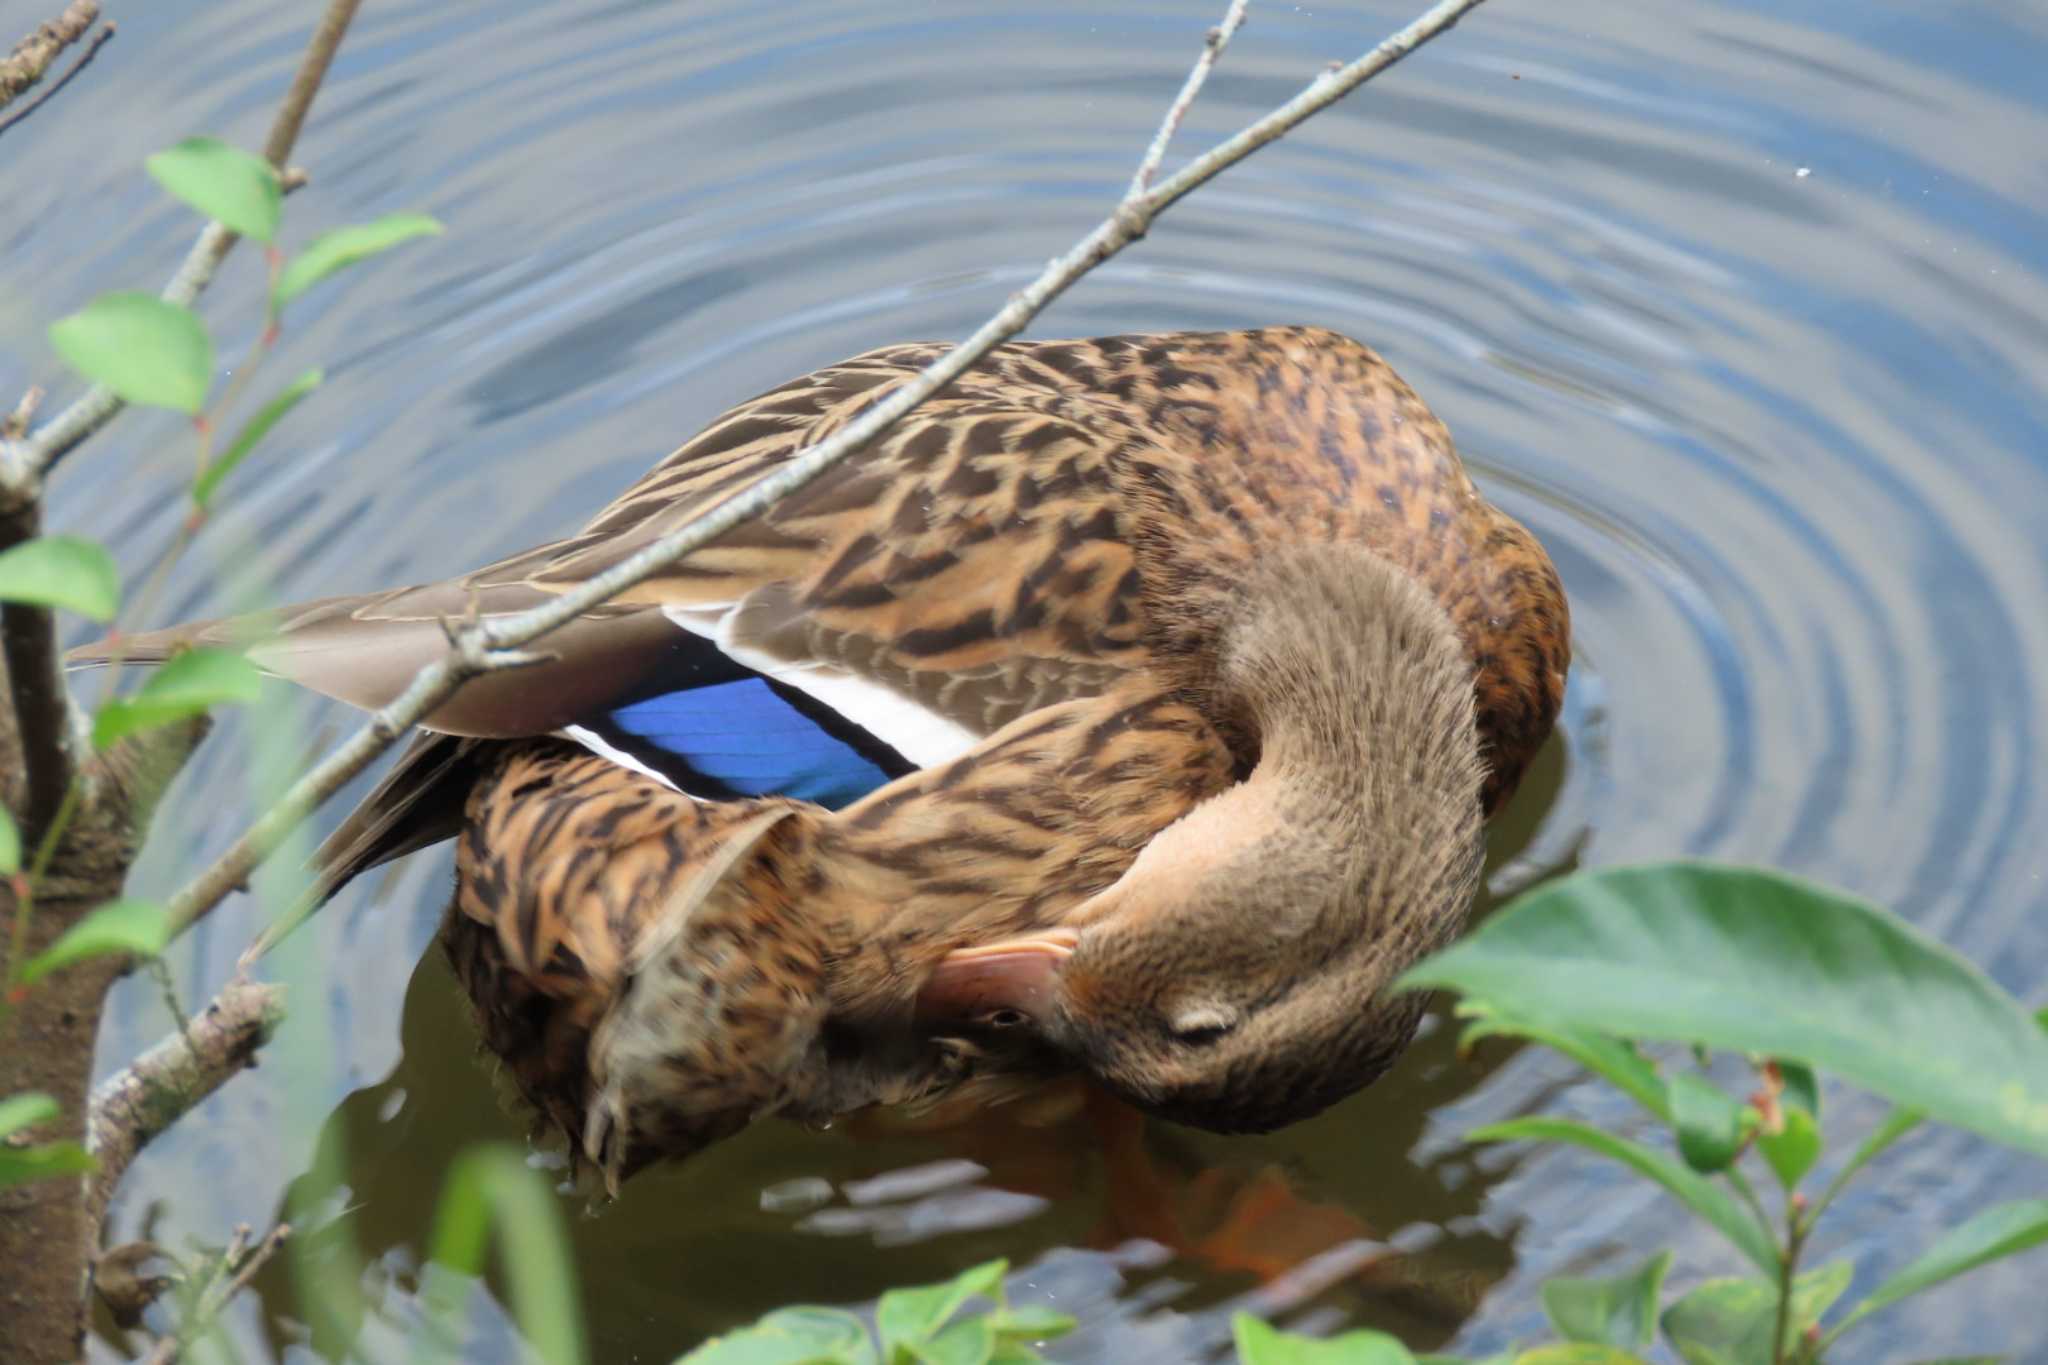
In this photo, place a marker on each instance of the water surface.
(1738, 305)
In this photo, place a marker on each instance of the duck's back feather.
(1061, 518)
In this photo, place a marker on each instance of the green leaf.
(1709, 1123)
(1260, 1343)
(1802, 1087)
(791, 1336)
(839, 1334)
(1729, 1322)
(1750, 960)
(10, 845)
(20, 1165)
(1620, 1064)
(190, 683)
(253, 431)
(1578, 1353)
(239, 191)
(22, 1111)
(1792, 1151)
(1618, 1310)
(2001, 1231)
(1695, 1191)
(1030, 1323)
(121, 926)
(344, 247)
(492, 1185)
(69, 572)
(909, 1316)
(971, 1341)
(147, 351)
(759, 1346)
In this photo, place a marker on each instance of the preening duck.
(1133, 707)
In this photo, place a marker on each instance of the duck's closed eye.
(1202, 1023)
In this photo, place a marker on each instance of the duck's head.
(1213, 989)
(1235, 977)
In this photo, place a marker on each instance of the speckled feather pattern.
(1044, 553)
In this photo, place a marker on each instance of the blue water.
(1738, 305)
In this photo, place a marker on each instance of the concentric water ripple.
(1739, 306)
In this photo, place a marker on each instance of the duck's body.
(940, 698)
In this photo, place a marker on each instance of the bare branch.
(1212, 47)
(24, 413)
(477, 647)
(234, 1272)
(83, 60)
(24, 463)
(32, 55)
(158, 1088)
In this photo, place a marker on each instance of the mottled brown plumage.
(1048, 570)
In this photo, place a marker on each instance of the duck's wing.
(969, 567)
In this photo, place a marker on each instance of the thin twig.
(221, 1291)
(158, 1088)
(32, 56)
(24, 413)
(1213, 44)
(83, 60)
(485, 646)
(23, 464)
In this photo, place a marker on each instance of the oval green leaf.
(802, 1335)
(145, 350)
(971, 1341)
(1729, 1322)
(69, 572)
(238, 190)
(1709, 1122)
(1695, 1191)
(21, 1111)
(1997, 1232)
(1260, 1343)
(906, 1317)
(10, 845)
(1801, 1088)
(19, 1165)
(122, 926)
(344, 247)
(192, 682)
(1755, 961)
(1030, 1323)
(1792, 1150)
(1616, 1310)
(253, 431)
(760, 1345)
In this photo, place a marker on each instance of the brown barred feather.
(1049, 554)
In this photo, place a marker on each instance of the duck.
(1133, 709)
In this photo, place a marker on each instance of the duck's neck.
(1361, 818)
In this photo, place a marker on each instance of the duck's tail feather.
(419, 803)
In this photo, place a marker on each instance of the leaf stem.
(1896, 1125)
(1795, 1242)
(1743, 1188)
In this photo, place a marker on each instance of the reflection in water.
(1780, 432)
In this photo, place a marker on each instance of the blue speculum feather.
(753, 737)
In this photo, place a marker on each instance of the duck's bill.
(1011, 982)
